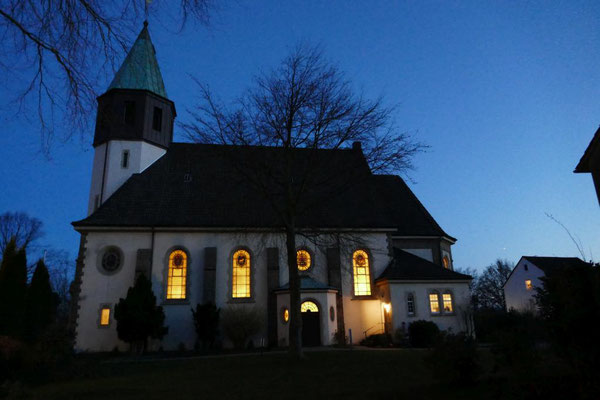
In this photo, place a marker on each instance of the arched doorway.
(311, 324)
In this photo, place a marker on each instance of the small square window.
(528, 284)
(105, 316)
(157, 119)
(125, 159)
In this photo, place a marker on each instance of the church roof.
(408, 267)
(198, 186)
(140, 69)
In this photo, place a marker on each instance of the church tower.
(134, 123)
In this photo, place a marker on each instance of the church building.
(176, 213)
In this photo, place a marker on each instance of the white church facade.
(176, 213)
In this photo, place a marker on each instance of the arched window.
(303, 259)
(362, 275)
(446, 262)
(410, 304)
(241, 274)
(176, 281)
(309, 306)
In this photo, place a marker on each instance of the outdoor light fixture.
(387, 307)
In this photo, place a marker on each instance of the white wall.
(141, 156)
(515, 292)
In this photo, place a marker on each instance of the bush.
(423, 333)
(239, 323)
(454, 359)
(206, 322)
(378, 340)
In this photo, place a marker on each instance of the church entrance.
(311, 324)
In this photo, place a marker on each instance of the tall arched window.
(176, 281)
(362, 275)
(241, 274)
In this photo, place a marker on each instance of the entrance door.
(311, 324)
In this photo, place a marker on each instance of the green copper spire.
(140, 68)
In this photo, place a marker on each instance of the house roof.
(549, 264)
(408, 267)
(584, 162)
(308, 283)
(140, 69)
(198, 185)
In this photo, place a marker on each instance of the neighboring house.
(519, 288)
(180, 214)
(590, 162)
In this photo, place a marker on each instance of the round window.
(111, 260)
(303, 259)
(332, 313)
(285, 315)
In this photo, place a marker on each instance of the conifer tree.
(40, 307)
(13, 289)
(137, 315)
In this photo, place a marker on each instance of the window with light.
(447, 299)
(286, 315)
(309, 306)
(362, 276)
(528, 284)
(434, 303)
(176, 281)
(303, 260)
(241, 275)
(105, 316)
(446, 262)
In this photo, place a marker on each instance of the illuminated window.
(105, 316)
(410, 304)
(446, 262)
(286, 315)
(528, 284)
(309, 306)
(176, 282)
(434, 303)
(241, 274)
(362, 277)
(303, 259)
(447, 298)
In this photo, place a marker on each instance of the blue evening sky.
(506, 93)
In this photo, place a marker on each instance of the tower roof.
(140, 69)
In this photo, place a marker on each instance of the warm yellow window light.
(362, 276)
(105, 316)
(434, 303)
(303, 259)
(387, 307)
(446, 262)
(309, 306)
(447, 298)
(176, 281)
(528, 284)
(286, 315)
(241, 274)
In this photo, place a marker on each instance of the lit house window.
(241, 274)
(528, 284)
(303, 259)
(447, 298)
(434, 303)
(309, 306)
(410, 304)
(362, 277)
(176, 282)
(105, 316)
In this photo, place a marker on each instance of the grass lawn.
(324, 374)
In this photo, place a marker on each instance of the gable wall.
(515, 292)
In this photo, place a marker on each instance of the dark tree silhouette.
(40, 307)
(206, 322)
(54, 51)
(20, 226)
(13, 289)
(305, 103)
(137, 315)
(488, 290)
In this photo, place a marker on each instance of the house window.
(176, 281)
(303, 259)
(105, 316)
(525, 267)
(125, 159)
(434, 303)
(129, 113)
(309, 306)
(528, 284)
(362, 276)
(447, 299)
(241, 274)
(157, 119)
(410, 304)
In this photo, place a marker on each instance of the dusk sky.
(507, 94)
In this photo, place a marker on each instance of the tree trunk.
(295, 329)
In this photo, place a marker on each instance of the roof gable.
(408, 267)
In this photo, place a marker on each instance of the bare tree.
(22, 227)
(488, 290)
(55, 51)
(304, 105)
